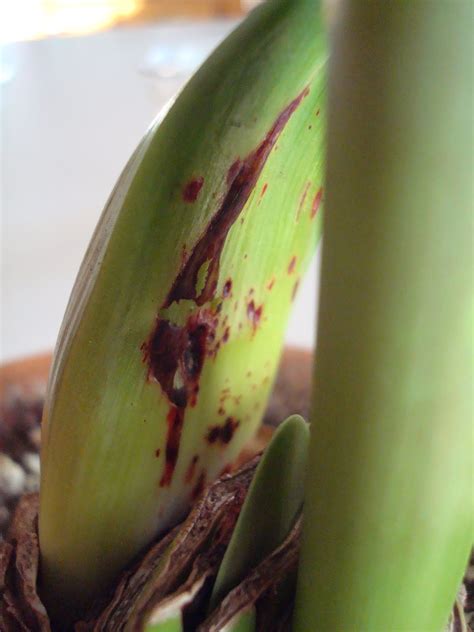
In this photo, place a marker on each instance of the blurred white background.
(72, 111)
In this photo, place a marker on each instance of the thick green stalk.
(174, 329)
(388, 513)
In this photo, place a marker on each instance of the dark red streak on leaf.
(241, 179)
(316, 202)
(291, 265)
(191, 469)
(175, 421)
(302, 200)
(191, 189)
(175, 357)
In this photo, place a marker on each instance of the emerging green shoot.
(270, 509)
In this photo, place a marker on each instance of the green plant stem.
(388, 513)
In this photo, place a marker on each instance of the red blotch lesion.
(227, 289)
(223, 434)
(192, 188)
(175, 354)
(254, 314)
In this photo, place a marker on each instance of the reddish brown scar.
(316, 202)
(188, 477)
(227, 289)
(302, 200)
(175, 426)
(242, 177)
(191, 189)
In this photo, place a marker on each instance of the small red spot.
(291, 265)
(188, 477)
(227, 289)
(251, 291)
(226, 335)
(316, 202)
(271, 283)
(254, 313)
(221, 411)
(317, 112)
(223, 434)
(199, 487)
(192, 188)
(157, 452)
(264, 189)
(295, 289)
